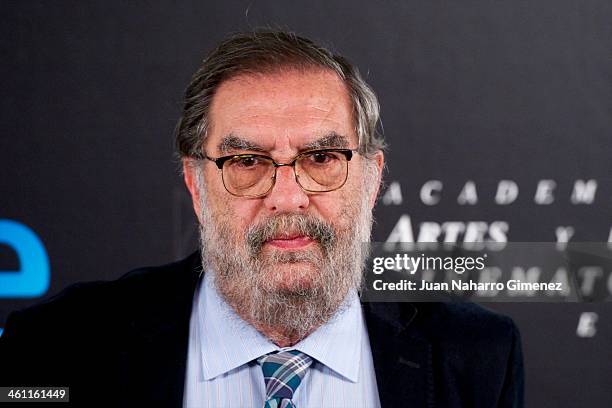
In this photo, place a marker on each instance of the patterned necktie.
(283, 372)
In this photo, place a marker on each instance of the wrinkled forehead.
(283, 111)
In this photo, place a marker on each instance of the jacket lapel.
(155, 357)
(402, 357)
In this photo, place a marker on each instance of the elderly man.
(283, 163)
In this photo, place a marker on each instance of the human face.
(282, 115)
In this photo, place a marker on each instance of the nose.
(286, 195)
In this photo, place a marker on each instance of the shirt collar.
(337, 343)
(228, 342)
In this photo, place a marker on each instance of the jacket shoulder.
(86, 305)
(83, 335)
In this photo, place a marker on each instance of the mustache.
(301, 224)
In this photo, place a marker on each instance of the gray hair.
(268, 51)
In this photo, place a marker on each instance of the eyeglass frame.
(220, 161)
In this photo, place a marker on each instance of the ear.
(191, 181)
(379, 158)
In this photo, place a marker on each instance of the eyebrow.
(331, 140)
(232, 142)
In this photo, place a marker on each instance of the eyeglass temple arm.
(219, 162)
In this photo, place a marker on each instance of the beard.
(291, 291)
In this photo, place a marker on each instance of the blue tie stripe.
(283, 373)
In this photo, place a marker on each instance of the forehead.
(281, 111)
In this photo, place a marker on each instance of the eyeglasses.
(254, 175)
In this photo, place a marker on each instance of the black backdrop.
(472, 92)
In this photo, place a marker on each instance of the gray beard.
(247, 278)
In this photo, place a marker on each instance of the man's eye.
(321, 157)
(247, 162)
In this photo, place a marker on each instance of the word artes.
(449, 231)
(506, 192)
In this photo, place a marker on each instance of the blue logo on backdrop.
(32, 279)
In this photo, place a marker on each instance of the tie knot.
(283, 372)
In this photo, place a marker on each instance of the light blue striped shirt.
(222, 371)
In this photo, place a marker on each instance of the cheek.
(243, 212)
(218, 197)
(348, 202)
(236, 213)
(335, 207)
(214, 181)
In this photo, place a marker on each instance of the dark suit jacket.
(124, 343)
